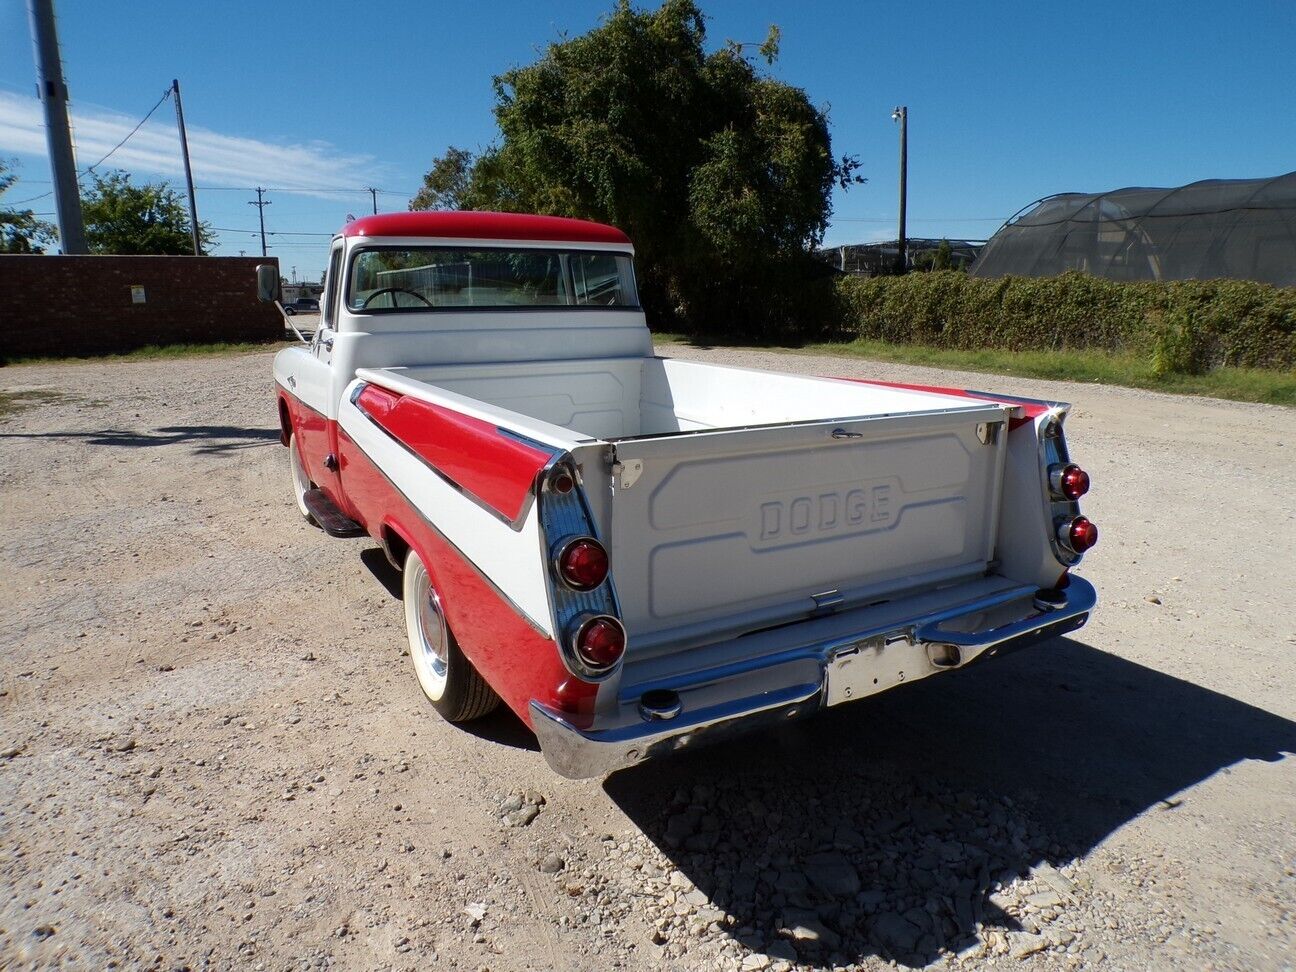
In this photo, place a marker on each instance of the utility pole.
(901, 114)
(261, 204)
(184, 151)
(374, 195)
(52, 92)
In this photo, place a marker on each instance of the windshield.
(384, 279)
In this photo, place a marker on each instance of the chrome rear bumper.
(780, 675)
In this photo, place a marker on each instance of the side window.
(328, 313)
(603, 278)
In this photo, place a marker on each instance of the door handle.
(843, 434)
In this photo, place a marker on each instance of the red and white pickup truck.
(638, 554)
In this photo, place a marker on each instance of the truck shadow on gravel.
(206, 439)
(892, 827)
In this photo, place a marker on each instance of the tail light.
(582, 564)
(1078, 533)
(599, 642)
(1068, 480)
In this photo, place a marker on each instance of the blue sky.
(1008, 101)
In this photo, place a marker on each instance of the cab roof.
(485, 226)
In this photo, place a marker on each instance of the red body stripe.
(485, 226)
(1030, 410)
(519, 663)
(498, 470)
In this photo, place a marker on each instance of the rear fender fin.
(498, 469)
(564, 517)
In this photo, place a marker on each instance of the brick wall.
(81, 305)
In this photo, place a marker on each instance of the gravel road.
(213, 753)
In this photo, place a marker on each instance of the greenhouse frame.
(1241, 229)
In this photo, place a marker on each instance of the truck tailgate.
(727, 530)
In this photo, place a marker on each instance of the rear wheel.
(300, 481)
(446, 677)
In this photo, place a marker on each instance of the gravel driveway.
(213, 753)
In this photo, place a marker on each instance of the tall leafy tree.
(448, 184)
(720, 174)
(20, 230)
(123, 218)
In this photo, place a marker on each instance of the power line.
(921, 219)
(233, 229)
(307, 189)
(19, 202)
(90, 168)
(165, 95)
(354, 192)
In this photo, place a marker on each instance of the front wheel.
(446, 677)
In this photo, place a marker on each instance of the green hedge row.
(1185, 326)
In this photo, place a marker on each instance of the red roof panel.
(485, 226)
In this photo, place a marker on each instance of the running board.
(330, 519)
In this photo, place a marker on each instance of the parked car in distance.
(302, 305)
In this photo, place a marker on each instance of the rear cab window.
(442, 278)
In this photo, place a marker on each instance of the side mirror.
(267, 282)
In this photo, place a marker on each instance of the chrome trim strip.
(971, 408)
(627, 736)
(1018, 400)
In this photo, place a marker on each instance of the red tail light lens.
(1079, 534)
(583, 564)
(600, 642)
(1070, 481)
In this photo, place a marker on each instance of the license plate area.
(873, 665)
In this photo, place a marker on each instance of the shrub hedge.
(1187, 326)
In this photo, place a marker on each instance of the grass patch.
(161, 352)
(1238, 384)
(13, 402)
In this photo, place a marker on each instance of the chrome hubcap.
(432, 635)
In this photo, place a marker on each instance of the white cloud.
(155, 149)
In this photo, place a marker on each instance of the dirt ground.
(215, 755)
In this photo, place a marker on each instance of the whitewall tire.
(446, 677)
(301, 483)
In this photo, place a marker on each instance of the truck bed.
(732, 500)
(634, 397)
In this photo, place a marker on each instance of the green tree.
(121, 218)
(448, 184)
(721, 175)
(20, 230)
(943, 259)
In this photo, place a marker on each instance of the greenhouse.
(1236, 228)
